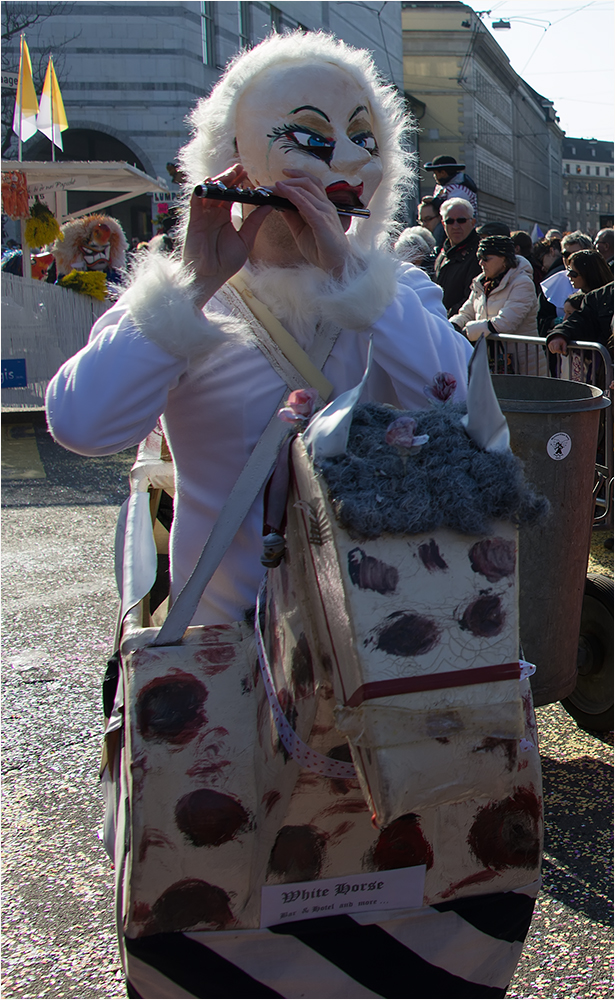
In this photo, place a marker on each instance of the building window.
(587, 169)
(588, 206)
(578, 206)
(574, 151)
(275, 15)
(593, 152)
(578, 169)
(567, 206)
(597, 171)
(244, 25)
(567, 168)
(208, 33)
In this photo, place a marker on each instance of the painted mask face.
(316, 119)
(97, 251)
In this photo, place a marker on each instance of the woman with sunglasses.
(588, 270)
(590, 274)
(503, 297)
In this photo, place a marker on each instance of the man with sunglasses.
(456, 264)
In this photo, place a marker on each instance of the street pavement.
(60, 606)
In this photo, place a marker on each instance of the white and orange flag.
(52, 116)
(26, 104)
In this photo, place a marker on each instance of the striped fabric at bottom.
(465, 948)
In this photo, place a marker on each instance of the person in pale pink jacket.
(503, 298)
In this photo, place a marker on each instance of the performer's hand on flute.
(213, 248)
(317, 229)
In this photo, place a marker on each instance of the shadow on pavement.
(69, 479)
(578, 802)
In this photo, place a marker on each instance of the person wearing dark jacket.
(456, 265)
(548, 256)
(593, 322)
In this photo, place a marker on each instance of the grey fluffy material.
(450, 482)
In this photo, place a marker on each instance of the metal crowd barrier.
(586, 362)
(42, 326)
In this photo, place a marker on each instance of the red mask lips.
(342, 194)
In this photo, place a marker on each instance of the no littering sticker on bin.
(558, 446)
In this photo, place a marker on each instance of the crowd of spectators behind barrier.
(487, 285)
(572, 273)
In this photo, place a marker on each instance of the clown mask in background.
(92, 243)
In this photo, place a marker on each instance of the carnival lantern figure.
(90, 254)
(246, 867)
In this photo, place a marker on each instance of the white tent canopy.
(56, 178)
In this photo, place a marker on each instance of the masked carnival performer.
(307, 116)
(90, 253)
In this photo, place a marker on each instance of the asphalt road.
(60, 604)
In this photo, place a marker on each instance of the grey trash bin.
(554, 431)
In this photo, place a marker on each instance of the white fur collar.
(300, 297)
(162, 293)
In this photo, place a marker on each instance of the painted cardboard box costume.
(209, 834)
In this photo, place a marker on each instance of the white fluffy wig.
(213, 147)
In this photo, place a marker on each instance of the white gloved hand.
(475, 327)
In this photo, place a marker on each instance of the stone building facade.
(587, 171)
(472, 105)
(130, 72)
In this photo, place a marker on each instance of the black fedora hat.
(443, 162)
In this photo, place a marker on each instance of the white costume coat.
(111, 394)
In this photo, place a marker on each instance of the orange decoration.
(15, 195)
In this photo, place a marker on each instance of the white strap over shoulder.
(255, 471)
(281, 342)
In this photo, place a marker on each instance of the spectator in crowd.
(588, 270)
(604, 245)
(573, 303)
(593, 322)
(416, 245)
(523, 248)
(572, 242)
(456, 264)
(523, 243)
(429, 217)
(548, 256)
(554, 234)
(451, 181)
(493, 229)
(503, 297)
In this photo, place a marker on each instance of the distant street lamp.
(498, 25)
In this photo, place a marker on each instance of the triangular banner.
(52, 117)
(26, 104)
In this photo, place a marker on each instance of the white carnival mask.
(313, 118)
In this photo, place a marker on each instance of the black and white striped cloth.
(464, 948)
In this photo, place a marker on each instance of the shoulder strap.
(286, 343)
(256, 470)
(242, 496)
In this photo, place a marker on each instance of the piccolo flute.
(262, 196)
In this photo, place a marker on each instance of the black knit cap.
(503, 246)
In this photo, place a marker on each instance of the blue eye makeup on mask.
(367, 141)
(306, 139)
